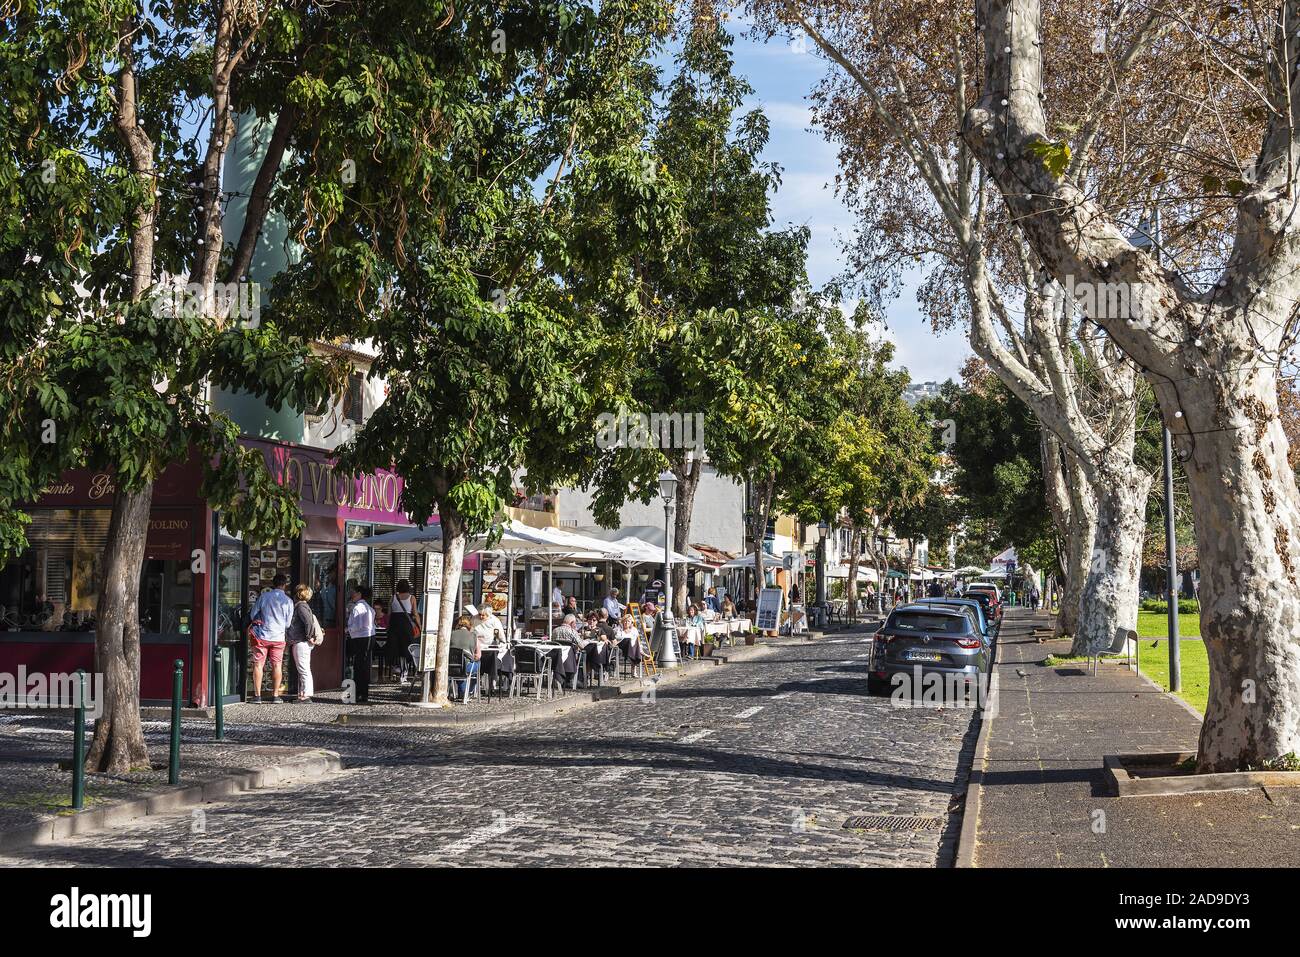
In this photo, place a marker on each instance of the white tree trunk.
(1209, 356)
(1247, 514)
(1110, 590)
(453, 559)
(1080, 533)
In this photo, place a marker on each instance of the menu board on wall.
(267, 561)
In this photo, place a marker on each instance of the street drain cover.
(892, 822)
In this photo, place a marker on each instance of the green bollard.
(174, 760)
(79, 745)
(221, 695)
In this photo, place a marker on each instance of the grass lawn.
(1155, 625)
(1154, 662)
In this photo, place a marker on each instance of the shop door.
(232, 618)
(323, 575)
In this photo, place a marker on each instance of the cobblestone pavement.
(757, 762)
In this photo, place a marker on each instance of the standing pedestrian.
(361, 637)
(270, 619)
(303, 635)
(403, 626)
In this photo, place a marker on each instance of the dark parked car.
(974, 609)
(988, 596)
(934, 639)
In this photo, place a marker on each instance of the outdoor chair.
(458, 671)
(532, 667)
(1125, 640)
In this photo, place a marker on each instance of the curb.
(970, 817)
(968, 837)
(309, 766)
(555, 706)
(1185, 705)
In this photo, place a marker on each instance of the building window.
(354, 399)
(53, 586)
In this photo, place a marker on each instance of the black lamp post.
(822, 529)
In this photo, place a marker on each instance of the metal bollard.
(79, 745)
(174, 760)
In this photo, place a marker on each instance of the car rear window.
(920, 621)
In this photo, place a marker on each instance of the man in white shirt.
(613, 607)
(557, 597)
(361, 636)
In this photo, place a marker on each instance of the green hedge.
(1186, 606)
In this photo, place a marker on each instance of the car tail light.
(970, 642)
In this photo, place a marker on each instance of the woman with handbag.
(403, 625)
(303, 634)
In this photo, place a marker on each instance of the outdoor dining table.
(494, 662)
(727, 626)
(564, 662)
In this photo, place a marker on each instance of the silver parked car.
(933, 638)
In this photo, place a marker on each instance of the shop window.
(54, 584)
(166, 597)
(357, 570)
(322, 577)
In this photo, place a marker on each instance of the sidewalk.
(36, 791)
(1037, 790)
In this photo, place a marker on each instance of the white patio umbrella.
(517, 540)
(630, 550)
(556, 545)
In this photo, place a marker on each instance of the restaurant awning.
(747, 561)
(643, 535)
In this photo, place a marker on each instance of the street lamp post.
(1150, 239)
(668, 492)
(822, 529)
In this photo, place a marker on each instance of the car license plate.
(924, 656)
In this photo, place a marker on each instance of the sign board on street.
(769, 609)
(432, 611)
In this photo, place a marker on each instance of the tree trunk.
(1247, 515)
(118, 744)
(763, 489)
(1080, 533)
(1210, 359)
(1110, 590)
(688, 483)
(851, 586)
(453, 558)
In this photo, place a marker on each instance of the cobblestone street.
(755, 762)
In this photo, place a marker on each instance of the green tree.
(502, 189)
(111, 195)
(995, 466)
(712, 290)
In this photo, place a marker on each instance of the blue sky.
(782, 78)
